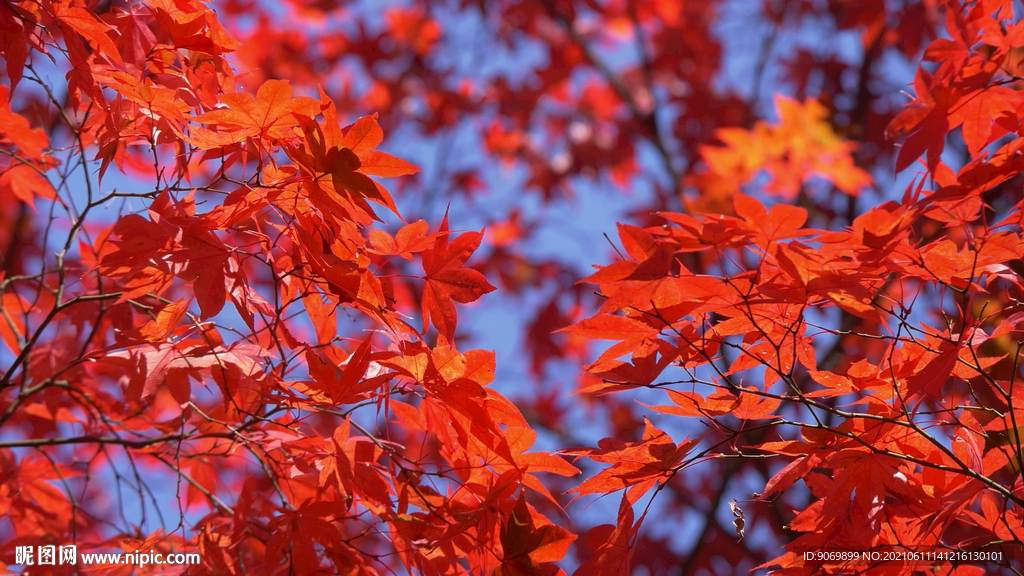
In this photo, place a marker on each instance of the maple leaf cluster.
(220, 332)
(904, 430)
(240, 340)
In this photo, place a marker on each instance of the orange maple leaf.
(271, 114)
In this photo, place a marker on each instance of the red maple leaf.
(448, 281)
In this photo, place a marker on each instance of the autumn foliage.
(238, 320)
